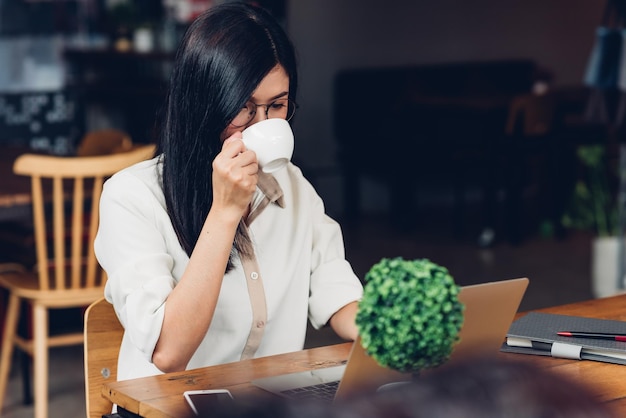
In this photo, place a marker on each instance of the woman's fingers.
(234, 149)
(233, 161)
(235, 174)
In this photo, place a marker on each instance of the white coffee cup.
(272, 141)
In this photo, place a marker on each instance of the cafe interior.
(453, 131)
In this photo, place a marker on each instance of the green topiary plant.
(410, 316)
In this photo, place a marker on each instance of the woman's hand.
(235, 176)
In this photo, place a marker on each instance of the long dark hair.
(224, 55)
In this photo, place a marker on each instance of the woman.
(209, 259)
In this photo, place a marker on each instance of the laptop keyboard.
(322, 391)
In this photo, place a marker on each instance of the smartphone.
(205, 402)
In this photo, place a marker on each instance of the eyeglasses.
(278, 109)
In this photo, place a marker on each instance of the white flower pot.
(605, 267)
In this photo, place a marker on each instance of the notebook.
(489, 312)
(535, 333)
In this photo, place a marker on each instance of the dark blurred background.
(68, 47)
(451, 119)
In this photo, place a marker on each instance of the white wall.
(330, 35)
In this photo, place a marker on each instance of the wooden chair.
(65, 196)
(104, 142)
(103, 336)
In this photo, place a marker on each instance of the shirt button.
(260, 324)
(254, 275)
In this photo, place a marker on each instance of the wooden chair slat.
(41, 243)
(77, 231)
(58, 222)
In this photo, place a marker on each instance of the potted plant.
(594, 208)
(410, 315)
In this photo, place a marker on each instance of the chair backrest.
(103, 336)
(103, 142)
(65, 198)
(531, 114)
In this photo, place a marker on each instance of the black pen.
(596, 335)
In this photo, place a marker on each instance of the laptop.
(489, 311)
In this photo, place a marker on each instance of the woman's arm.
(190, 306)
(343, 321)
(334, 288)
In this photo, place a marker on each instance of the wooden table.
(161, 396)
(15, 192)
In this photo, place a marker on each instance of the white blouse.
(299, 253)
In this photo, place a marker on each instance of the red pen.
(596, 335)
